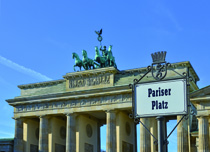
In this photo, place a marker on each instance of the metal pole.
(161, 130)
(135, 137)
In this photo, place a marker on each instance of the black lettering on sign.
(159, 105)
(166, 105)
(153, 105)
(159, 92)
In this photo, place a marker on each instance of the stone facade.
(201, 100)
(67, 114)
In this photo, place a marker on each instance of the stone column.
(145, 140)
(165, 135)
(153, 130)
(18, 141)
(111, 131)
(71, 133)
(43, 134)
(182, 135)
(98, 137)
(203, 134)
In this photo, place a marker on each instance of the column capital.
(110, 111)
(70, 114)
(43, 116)
(202, 116)
(19, 118)
(15, 118)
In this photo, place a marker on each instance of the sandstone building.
(66, 115)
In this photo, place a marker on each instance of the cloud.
(7, 124)
(23, 69)
(163, 10)
(173, 19)
(7, 134)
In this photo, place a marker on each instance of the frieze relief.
(93, 81)
(75, 103)
(28, 107)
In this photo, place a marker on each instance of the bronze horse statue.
(100, 59)
(78, 61)
(87, 62)
(111, 58)
(105, 60)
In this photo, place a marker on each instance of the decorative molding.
(71, 94)
(97, 101)
(90, 73)
(41, 84)
(173, 66)
(89, 81)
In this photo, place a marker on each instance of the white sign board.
(161, 98)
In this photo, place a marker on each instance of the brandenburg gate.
(66, 115)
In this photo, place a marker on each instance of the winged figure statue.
(99, 35)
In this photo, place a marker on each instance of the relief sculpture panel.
(96, 101)
(93, 81)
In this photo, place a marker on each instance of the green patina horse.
(106, 60)
(78, 61)
(87, 62)
(98, 58)
(110, 58)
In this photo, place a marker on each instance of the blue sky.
(37, 39)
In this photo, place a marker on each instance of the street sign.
(162, 98)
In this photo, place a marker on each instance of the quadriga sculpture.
(87, 62)
(100, 59)
(105, 60)
(110, 58)
(78, 61)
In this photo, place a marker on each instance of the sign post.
(160, 121)
(160, 98)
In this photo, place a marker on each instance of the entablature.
(70, 95)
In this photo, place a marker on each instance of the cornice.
(200, 99)
(70, 95)
(173, 66)
(104, 71)
(91, 72)
(40, 84)
(201, 92)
